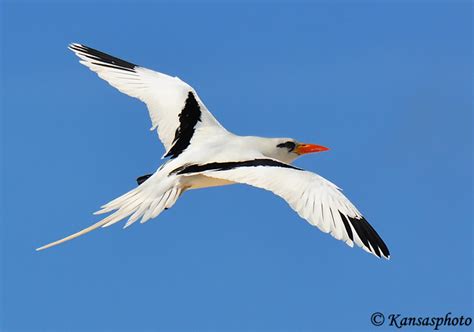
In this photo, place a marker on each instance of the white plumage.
(204, 154)
(164, 95)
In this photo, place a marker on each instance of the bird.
(201, 153)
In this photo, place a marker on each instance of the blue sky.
(387, 86)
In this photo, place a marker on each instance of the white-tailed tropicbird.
(202, 153)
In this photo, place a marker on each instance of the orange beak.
(309, 148)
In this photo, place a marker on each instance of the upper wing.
(314, 198)
(174, 107)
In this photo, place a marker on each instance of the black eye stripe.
(289, 145)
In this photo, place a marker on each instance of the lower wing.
(314, 198)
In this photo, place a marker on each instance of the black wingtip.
(367, 234)
(106, 59)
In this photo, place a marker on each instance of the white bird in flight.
(202, 153)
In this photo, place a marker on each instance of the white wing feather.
(164, 95)
(314, 198)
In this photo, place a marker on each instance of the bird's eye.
(289, 145)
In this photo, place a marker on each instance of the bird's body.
(202, 153)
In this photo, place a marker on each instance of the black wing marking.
(188, 118)
(105, 59)
(366, 233)
(225, 166)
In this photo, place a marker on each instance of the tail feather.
(146, 201)
(149, 212)
(72, 236)
(115, 203)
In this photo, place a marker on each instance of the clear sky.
(387, 86)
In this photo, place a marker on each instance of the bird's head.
(287, 149)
